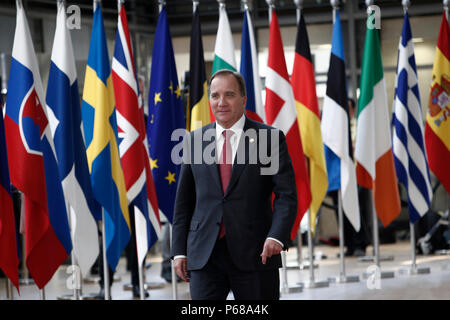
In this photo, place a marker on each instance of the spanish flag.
(437, 128)
(101, 135)
(304, 87)
(198, 113)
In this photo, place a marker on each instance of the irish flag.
(375, 163)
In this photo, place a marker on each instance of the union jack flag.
(133, 141)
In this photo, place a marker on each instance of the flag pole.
(25, 273)
(376, 256)
(311, 283)
(172, 268)
(140, 266)
(271, 4)
(25, 280)
(301, 265)
(221, 4)
(195, 4)
(105, 260)
(285, 288)
(446, 4)
(342, 278)
(413, 270)
(9, 292)
(376, 273)
(376, 246)
(76, 281)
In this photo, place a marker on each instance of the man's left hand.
(270, 248)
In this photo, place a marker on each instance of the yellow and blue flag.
(165, 115)
(100, 133)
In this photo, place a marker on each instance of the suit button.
(224, 200)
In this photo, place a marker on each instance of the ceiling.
(143, 14)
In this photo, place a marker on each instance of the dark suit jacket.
(246, 206)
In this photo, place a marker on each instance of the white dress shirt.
(237, 129)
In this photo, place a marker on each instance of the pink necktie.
(225, 165)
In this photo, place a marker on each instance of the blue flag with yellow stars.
(165, 115)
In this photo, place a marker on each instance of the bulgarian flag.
(437, 128)
(307, 105)
(375, 162)
(224, 49)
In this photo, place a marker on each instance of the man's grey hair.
(239, 78)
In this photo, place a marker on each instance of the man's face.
(226, 101)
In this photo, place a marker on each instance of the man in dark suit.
(228, 229)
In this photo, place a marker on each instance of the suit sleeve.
(285, 192)
(183, 209)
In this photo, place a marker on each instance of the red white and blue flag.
(133, 149)
(9, 259)
(32, 161)
(63, 102)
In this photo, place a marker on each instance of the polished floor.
(395, 258)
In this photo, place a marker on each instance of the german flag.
(437, 128)
(198, 110)
(304, 87)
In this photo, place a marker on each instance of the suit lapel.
(213, 168)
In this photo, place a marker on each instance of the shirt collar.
(237, 127)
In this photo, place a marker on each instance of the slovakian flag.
(336, 130)
(254, 108)
(408, 134)
(165, 115)
(437, 127)
(63, 100)
(9, 259)
(198, 108)
(375, 162)
(32, 162)
(132, 136)
(100, 132)
(281, 113)
(304, 86)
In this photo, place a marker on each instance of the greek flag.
(408, 133)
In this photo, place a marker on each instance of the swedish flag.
(165, 115)
(100, 132)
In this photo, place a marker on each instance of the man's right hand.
(180, 265)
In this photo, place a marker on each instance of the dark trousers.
(220, 275)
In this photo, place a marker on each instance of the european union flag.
(165, 115)
(100, 131)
